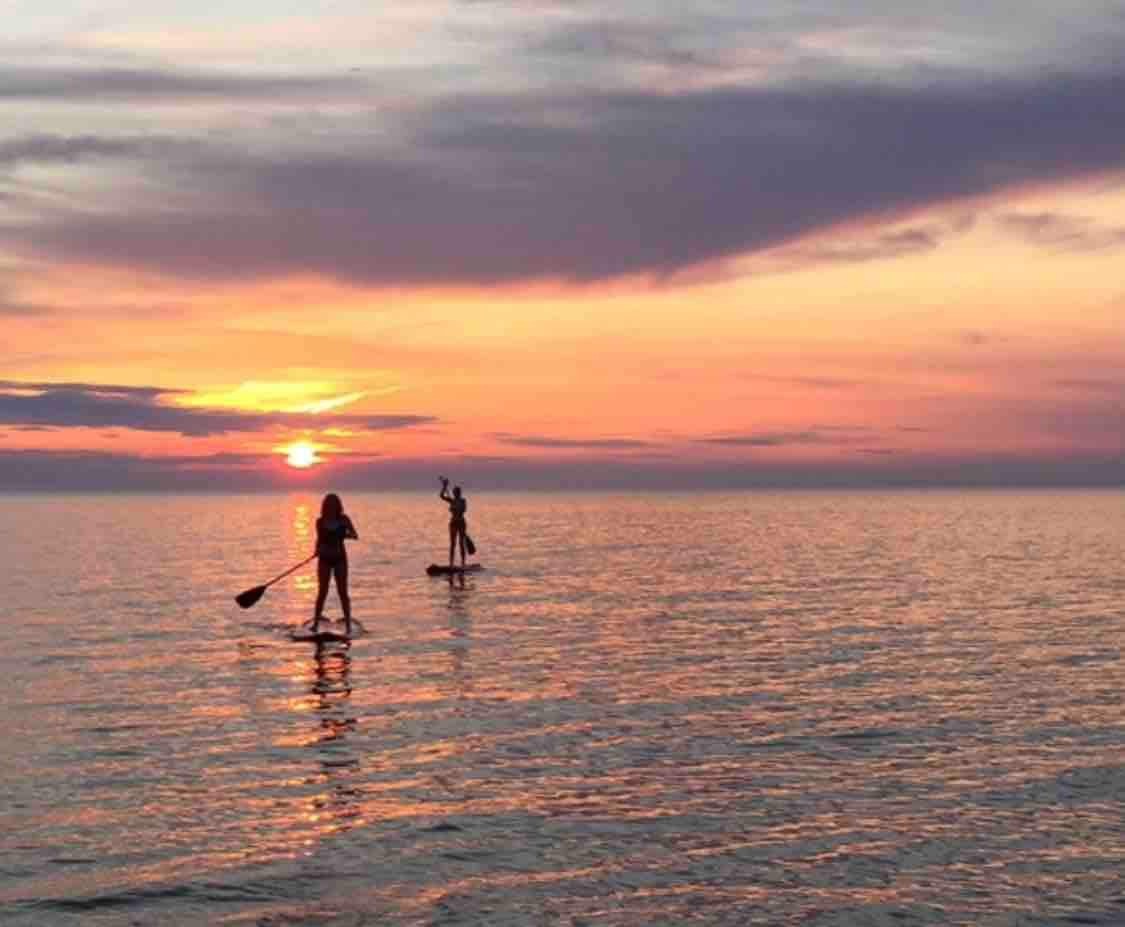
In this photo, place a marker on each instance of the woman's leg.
(341, 572)
(323, 578)
(452, 543)
(461, 542)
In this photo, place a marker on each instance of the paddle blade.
(250, 596)
(470, 546)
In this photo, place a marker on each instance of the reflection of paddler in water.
(458, 531)
(332, 529)
(332, 686)
(332, 681)
(460, 632)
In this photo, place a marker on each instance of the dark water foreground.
(782, 709)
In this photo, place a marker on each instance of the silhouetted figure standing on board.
(457, 528)
(332, 529)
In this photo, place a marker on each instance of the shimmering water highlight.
(788, 708)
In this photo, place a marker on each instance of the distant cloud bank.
(37, 471)
(84, 405)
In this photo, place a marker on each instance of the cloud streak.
(1061, 232)
(842, 435)
(555, 443)
(47, 148)
(84, 405)
(14, 309)
(1095, 385)
(98, 86)
(876, 246)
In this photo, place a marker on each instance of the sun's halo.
(301, 454)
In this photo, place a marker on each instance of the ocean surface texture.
(780, 708)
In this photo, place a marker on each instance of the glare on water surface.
(792, 708)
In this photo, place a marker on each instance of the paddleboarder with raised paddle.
(458, 530)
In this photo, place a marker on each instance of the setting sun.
(301, 454)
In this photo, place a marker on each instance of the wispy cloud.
(824, 435)
(101, 85)
(877, 246)
(84, 405)
(69, 149)
(16, 309)
(544, 441)
(809, 382)
(1061, 232)
(976, 339)
(1094, 385)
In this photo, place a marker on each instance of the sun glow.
(301, 454)
(310, 396)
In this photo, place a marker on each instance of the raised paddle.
(250, 596)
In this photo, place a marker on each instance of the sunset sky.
(537, 244)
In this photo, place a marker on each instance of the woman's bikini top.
(330, 535)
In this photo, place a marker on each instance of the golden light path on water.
(777, 708)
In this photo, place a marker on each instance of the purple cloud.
(85, 405)
(485, 189)
(571, 443)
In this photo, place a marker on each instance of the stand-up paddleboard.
(437, 569)
(325, 635)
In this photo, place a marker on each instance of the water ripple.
(877, 708)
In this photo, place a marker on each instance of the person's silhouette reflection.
(460, 630)
(332, 675)
(339, 764)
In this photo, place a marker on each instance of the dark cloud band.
(493, 190)
(45, 470)
(84, 405)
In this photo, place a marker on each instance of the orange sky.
(931, 325)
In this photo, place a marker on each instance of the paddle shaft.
(287, 572)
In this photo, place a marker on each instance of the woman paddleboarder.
(458, 532)
(332, 529)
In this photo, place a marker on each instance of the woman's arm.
(349, 529)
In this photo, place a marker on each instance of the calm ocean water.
(785, 708)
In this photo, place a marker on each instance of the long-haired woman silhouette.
(332, 529)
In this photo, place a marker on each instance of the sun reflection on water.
(813, 709)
